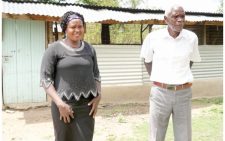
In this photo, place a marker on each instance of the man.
(168, 55)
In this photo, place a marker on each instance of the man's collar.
(167, 35)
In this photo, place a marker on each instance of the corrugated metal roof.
(98, 13)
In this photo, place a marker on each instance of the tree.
(135, 3)
(43, 0)
(220, 9)
(113, 3)
(131, 3)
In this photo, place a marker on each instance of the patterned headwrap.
(71, 17)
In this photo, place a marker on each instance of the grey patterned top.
(73, 72)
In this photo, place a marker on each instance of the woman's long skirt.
(81, 128)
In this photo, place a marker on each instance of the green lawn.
(207, 123)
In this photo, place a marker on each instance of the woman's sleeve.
(95, 68)
(48, 67)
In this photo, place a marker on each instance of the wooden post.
(149, 26)
(105, 34)
(204, 35)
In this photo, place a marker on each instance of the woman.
(70, 76)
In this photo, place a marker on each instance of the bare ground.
(34, 123)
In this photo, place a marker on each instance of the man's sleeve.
(195, 57)
(146, 50)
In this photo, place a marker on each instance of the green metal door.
(23, 46)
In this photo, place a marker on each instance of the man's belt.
(172, 87)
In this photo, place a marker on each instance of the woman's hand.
(65, 111)
(94, 102)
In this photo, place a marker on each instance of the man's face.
(175, 20)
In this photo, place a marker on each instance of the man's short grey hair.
(169, 9)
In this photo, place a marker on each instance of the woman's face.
(75, 30)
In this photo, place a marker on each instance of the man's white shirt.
(170, 56)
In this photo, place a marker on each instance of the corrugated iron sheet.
(92, 15)
(122, 65)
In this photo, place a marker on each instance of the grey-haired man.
(168, 56)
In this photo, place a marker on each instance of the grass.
(208, 126)
(203, 102)
(206, 123)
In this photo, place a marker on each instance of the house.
(27, 29)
